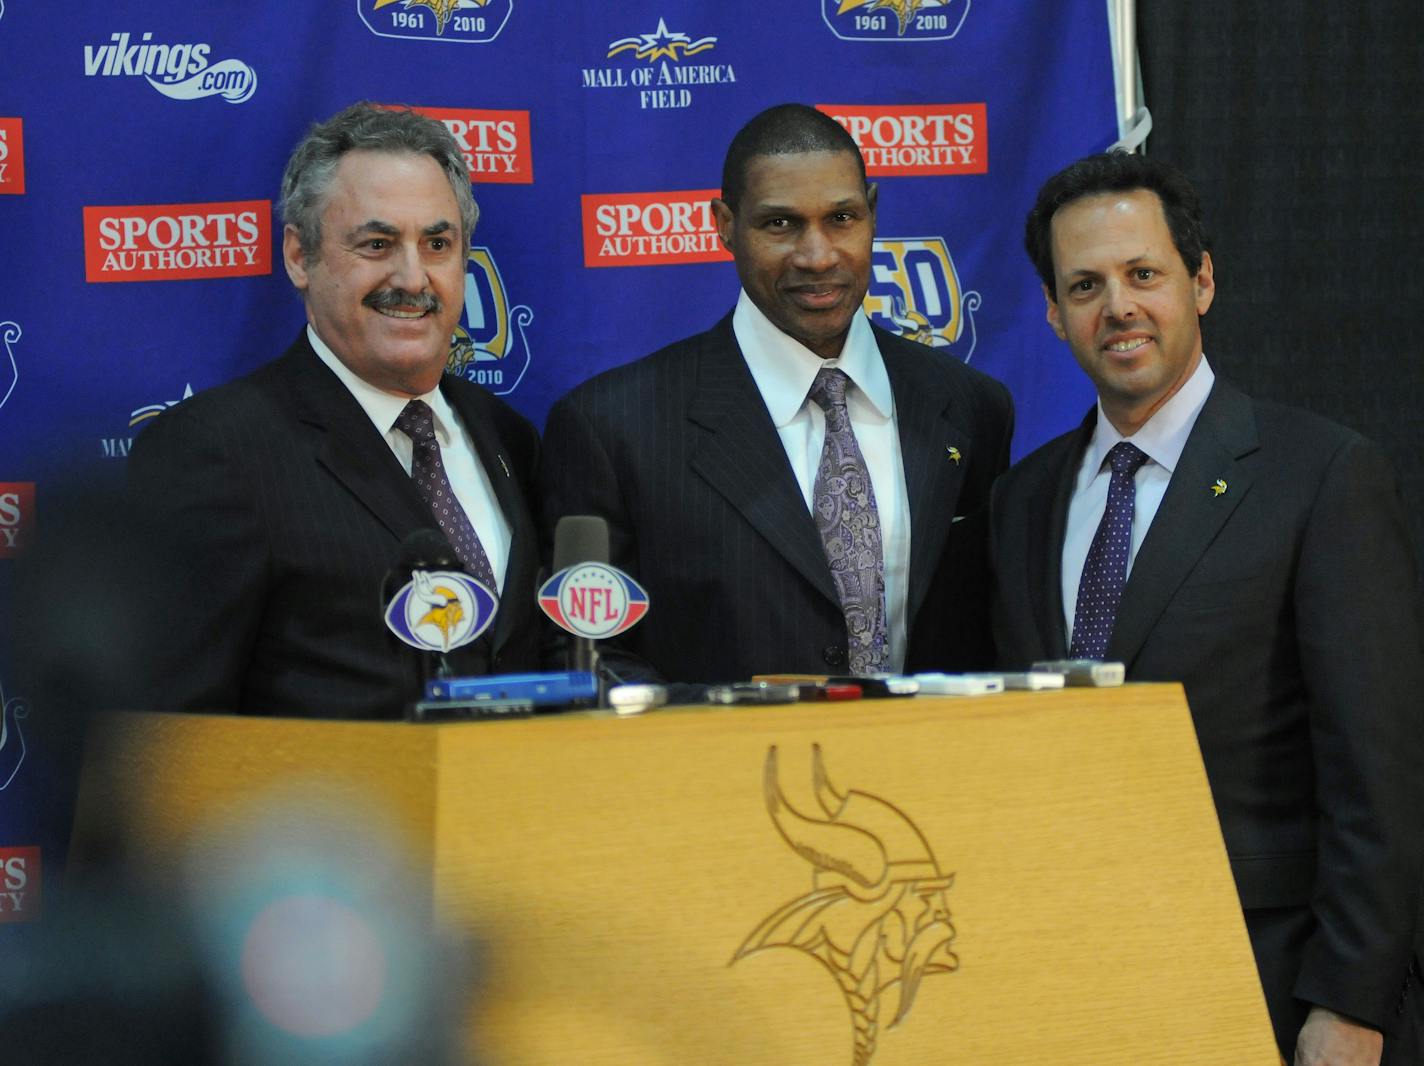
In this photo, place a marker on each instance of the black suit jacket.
(678, 453)
(1287, 607)
(281, 510)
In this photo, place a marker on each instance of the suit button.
(834, 655)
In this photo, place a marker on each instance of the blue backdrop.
(141, 146)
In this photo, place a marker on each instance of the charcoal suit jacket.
(678, 452)
(281, 511)
(1277, 584)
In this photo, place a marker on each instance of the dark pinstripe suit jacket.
(1287, 607)
(678, 452)
(281, 509)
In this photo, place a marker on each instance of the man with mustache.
(1258, 555)
(282, 499)
(787, 484)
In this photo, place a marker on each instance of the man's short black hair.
(1117, 171)
(785, 129)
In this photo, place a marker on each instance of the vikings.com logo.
(876, 915)
(489, 346)
(915, 292)
(894, 20)
(465, 21)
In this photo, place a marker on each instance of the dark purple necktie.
(843, 501)
(427, 468)
(1105, 569)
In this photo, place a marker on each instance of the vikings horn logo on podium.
(876, 917)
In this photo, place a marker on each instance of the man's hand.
(1330, 1039)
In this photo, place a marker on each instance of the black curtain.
(1302, 126)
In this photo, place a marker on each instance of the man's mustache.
(392, 299)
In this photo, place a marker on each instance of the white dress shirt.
(784, 369)
(1162, 438)
(457, 451)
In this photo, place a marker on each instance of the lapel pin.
(505, 465)
(953, 453)
(1218, 489)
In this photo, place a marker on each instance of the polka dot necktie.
(843, 502)
(1105, 570)
(427, 468)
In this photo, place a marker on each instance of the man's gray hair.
(366, 127)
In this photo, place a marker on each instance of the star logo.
(661, 43)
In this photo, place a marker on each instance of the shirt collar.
(382, 407)
(784, 368)
(1164, 435)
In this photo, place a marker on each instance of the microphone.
(587, 596)
(581, 538)
(430, 603)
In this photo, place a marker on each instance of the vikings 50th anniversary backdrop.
(141, 147)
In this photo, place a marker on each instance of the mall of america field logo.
(178, 71)
(894, 20)
(666, 80)
(460, 21)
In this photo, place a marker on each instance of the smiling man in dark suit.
(1258, 555)
(786, 484)
(282, 499)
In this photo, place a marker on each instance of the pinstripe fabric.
(678, 452)
(282, 509)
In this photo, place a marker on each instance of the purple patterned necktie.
(843, 500)
(427, 468)
(1105, 569)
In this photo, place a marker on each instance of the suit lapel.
(350, 447)
(1190, 515)
(1045, 566)
(929, 428)
(741, 456)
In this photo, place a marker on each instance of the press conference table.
(678, 887)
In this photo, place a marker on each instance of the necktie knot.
(829, 389)
(417, 422)
(1126, 458)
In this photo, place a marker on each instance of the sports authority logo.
(915, 291)
(917, 139)
(876, 915)
(176, 242)
(593, 600)
(495, 144)
(9, 369)
(437, 610)
(665, 80)
(464, 21)
(894, 20)
(650, 228)
(19, 884)
(17, 516)
(12, 737)
(178, 71)
(489, 346)
(12, 155)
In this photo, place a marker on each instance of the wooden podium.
(1020, 878)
